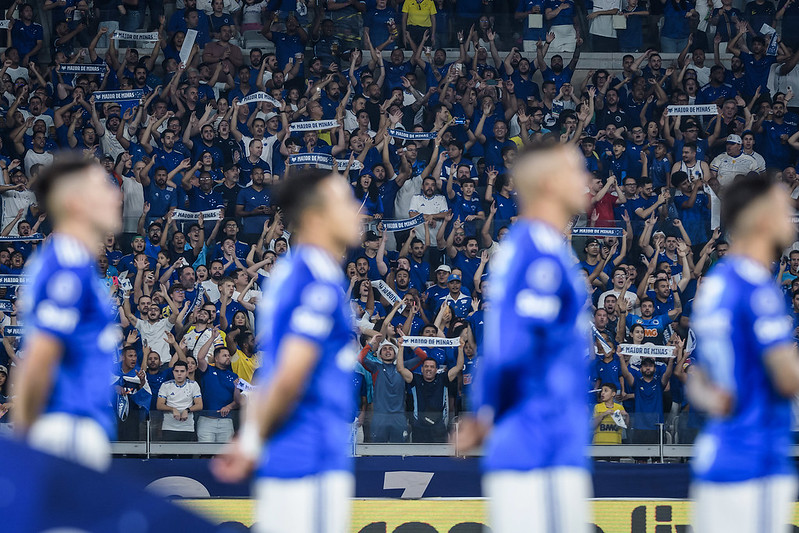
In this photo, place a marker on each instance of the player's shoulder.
(62, 252)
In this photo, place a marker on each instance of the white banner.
(431, 342)
(618, 419)
(188, 43)
(646, 350)
(150, 36)
(388, 293)
(311, 125)
(680, 110)
(403, 224)
(319, 160)
(118, 96)
(342, 164)
(260, 96)
(181, 215)
(75, 68)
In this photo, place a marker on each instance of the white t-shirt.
(195, 340)
(602, 25)
(154, 335)
(631, 297)
(132, 204)
(47, 119)
(429, 206)
(179, 398)
(13, 201)
(32, 158)
(211, 291)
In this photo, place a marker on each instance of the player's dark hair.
(299, 192)
(741, 193)
(181, 363)
(65, 167)
(647, 299)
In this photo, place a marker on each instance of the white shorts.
(761, 505)
(552, 500)
(313, 504)
(73, 438)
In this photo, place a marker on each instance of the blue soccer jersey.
(533, 364)
(305, 298)
(739, 316)
(66, 300)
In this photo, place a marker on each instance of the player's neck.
(544, 210)
(319, 240)
(81, 233)
(761, 251)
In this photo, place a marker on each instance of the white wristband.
(250, 441)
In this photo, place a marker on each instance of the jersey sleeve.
(771, 326)
(57, 300)
(312, 316)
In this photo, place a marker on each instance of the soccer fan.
(61, 403)
(606, 429)
(748, 373)
(431, 396)
(307, 343)
(538, 301)
(179, 398)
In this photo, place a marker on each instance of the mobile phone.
(492, 83)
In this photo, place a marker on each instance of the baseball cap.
(4, 370)
(590, 241)
(445, 268)
(388, 343)
(108, 156)
(371, 236)
(270, 116)
(228, 167)
(454, 277)
(734, 139)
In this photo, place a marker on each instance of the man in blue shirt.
(305, 479)
(654, 325)
(531, 381)
(62, 391)
(748, 370)
(288, 45)
(757, 64)
(648, 385)
(252, 206)
(221, 393)
(26, 35)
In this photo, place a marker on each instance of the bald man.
(530, 391)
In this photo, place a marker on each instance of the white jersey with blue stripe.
(304, 297)
(533, 364)
(67, 300)
(739, 316)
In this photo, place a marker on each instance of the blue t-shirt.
(218, 389)
(67, 301)
(306, 300)
(740, 316)
(250, 199)
(533, 365)
(653, 326)
(648, 398)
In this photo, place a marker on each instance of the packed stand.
(425, 141)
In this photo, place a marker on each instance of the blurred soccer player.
(62, 402)
(748, 371)
(304, 474)
(530, 385)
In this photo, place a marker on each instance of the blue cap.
(454, 277)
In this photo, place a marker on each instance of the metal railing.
(153, 443)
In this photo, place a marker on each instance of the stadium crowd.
(420, 137)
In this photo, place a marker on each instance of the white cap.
(388, 343)
(734, 139)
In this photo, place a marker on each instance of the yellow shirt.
(607, 432)
(420, 13)
(244, 366)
